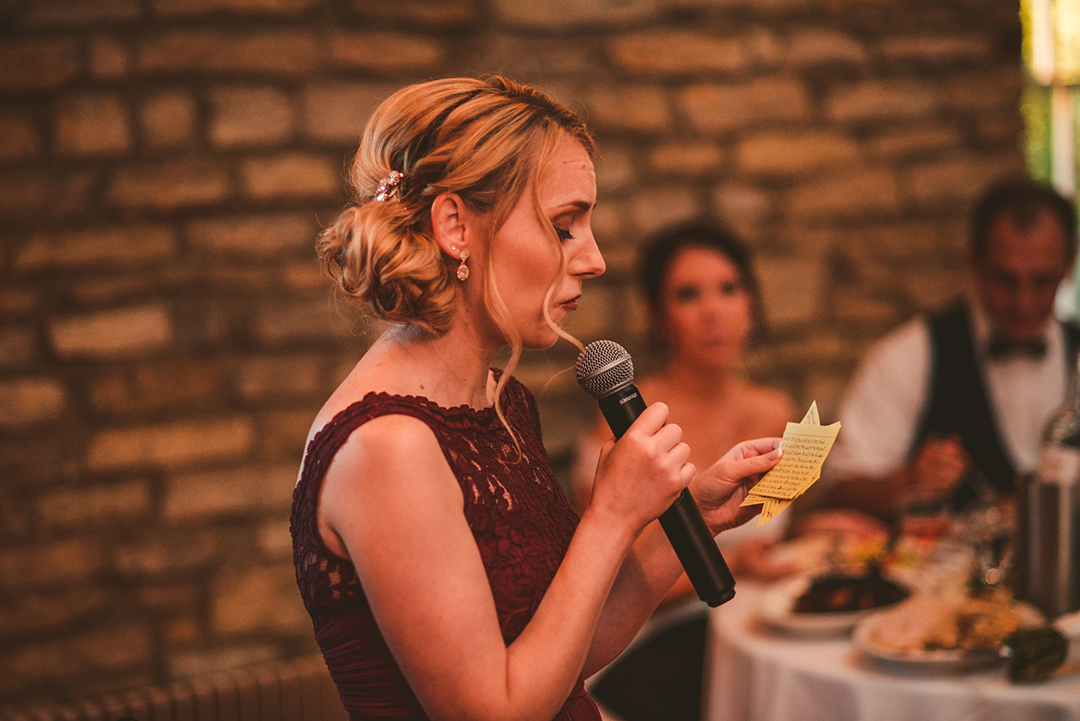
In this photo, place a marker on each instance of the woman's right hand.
(640, 475)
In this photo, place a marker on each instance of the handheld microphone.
(606, 372)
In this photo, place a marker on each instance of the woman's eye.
(686, 295)
(563, 234)
(730, 288)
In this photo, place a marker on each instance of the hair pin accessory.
(388, 188)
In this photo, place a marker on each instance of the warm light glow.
(1067, 42)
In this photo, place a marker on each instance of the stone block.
(40, 613)
(654, 208)
(743, 206)
(305, 276)
(995, 90)
(791, 289)
(543, 59)
(170, 445)
(915, 140)
(167, 119)
(567, 13)
(60, 13)
(21, 301)
(38, 64)
(240, 8)
(689, 157)
(337, 112)
(247, 116)
(26, 401)
(935, 286)
(283, 434)
(816, 46)
(270, 235)
(212, 661)
(113, 646)
(169, 598)
(92, 124)
(260, 379)
(110, 58)
(713, 108)
(18, 346)
(110, 334)
(20, 138)
(299, 321)
(440, 14)
(36, 193)
(946, 181)
(183, 631)
(285, 53)
(876, 100)
(95, 506)
(275, 540)
(939, 48)
(291, 175)
(51, 564)
(677, 53)
(793, 154)
(124, 246)
(847, 195)
(163, 554)
(385, 52)
(170, 185)
(1000, 131)
(636, 108)
(244, 491)
(252, 599)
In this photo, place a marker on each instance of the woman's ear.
(449, 217)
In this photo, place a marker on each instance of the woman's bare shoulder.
(771, 406)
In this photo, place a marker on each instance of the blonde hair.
(483, 139)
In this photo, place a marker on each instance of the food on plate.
(837, 592)
(926, 623)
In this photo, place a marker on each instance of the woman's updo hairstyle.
(479, 138)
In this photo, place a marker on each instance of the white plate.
(777, 609)
(936, 660)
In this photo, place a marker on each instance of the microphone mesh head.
(603, 368)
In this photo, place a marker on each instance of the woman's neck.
(448, 369)
(706, 382)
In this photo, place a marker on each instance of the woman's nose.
(588, 261)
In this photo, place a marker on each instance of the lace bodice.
(520, 519)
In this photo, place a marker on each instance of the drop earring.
(463, 270)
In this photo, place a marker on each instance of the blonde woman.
(446, 574)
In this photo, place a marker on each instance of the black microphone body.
(683, 523)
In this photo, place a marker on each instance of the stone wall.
(166, 337)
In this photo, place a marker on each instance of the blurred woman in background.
(705, 308)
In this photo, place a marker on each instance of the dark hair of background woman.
(662, 248)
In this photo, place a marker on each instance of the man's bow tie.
(1000, 348)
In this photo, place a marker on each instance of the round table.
(756, 673)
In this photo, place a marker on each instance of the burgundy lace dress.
(519, 517)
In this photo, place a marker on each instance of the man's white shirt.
(882, 408)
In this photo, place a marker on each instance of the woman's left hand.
(720, 488)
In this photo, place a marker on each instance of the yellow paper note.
(805, 448)
(805, 445)
(770, 509)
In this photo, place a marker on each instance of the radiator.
(298, 690)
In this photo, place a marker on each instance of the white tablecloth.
(754, 673)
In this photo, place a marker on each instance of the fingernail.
(776, 454)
